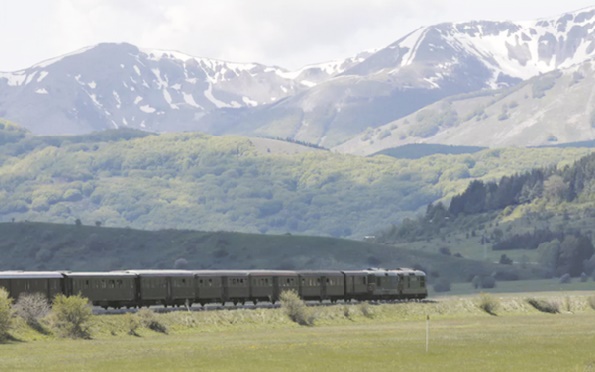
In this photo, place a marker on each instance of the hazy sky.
(287, 33)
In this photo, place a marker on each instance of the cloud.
(287, 33)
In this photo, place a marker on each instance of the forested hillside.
(195, 181)
(544, 216)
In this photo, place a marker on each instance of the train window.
(87, 283)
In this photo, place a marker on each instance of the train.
(143, 288)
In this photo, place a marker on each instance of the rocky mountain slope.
(111, 86)
(120, 85)
(553, 108)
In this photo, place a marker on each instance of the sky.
(286, 33)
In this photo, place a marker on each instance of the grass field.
(345, 338)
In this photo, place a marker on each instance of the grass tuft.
(488, 303)
(544, 306)
(296, 309)
(149, 319)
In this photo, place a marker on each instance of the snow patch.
(215, 101)
(137, 100)
(42, 76)
(168, 99)
(41, 91)
(14, 79)
(189, 99)
(117, 98)
(249, 102)
(92, 85)
(136, 69)
(148, 109)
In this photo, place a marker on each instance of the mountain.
(421, 68)
(120, 85)
(549, 109)
(111, 86)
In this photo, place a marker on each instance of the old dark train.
(137, 288)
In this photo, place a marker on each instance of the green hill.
(542, 218)
(199, 182)
(41, 246)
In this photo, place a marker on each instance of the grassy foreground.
(345, 338)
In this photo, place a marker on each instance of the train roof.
(161, 273)
(319, 272)
(273, 272)
(30, 274)
(99, 274)
(221, 272)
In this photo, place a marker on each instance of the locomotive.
(138, 288)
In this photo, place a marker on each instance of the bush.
(32, 307)
(296, 308)
(488, 282)
(565, 279)
(366, 310)
(181, 263)
(544, 306)
(5, 313)
(133, 323)
(71, 316)
(591, 301)
(148, 319)
(488, 303)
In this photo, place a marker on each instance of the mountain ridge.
(121, 85)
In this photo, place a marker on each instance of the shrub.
(5, 313)
(296, 308)
(348, 311)
(488, 282)
(132, 323)
(565, 279)
(591, 301)
(544, 306)
(476, 282)
(71, 316)
(181, 263)
(488, 303)
(148, 319)
(32, 307)
(366, 310)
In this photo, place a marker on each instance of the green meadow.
(386, 337)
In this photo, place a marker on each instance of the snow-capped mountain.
(548, 109)
(115, 85)
(427, 65)
(120, 85)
